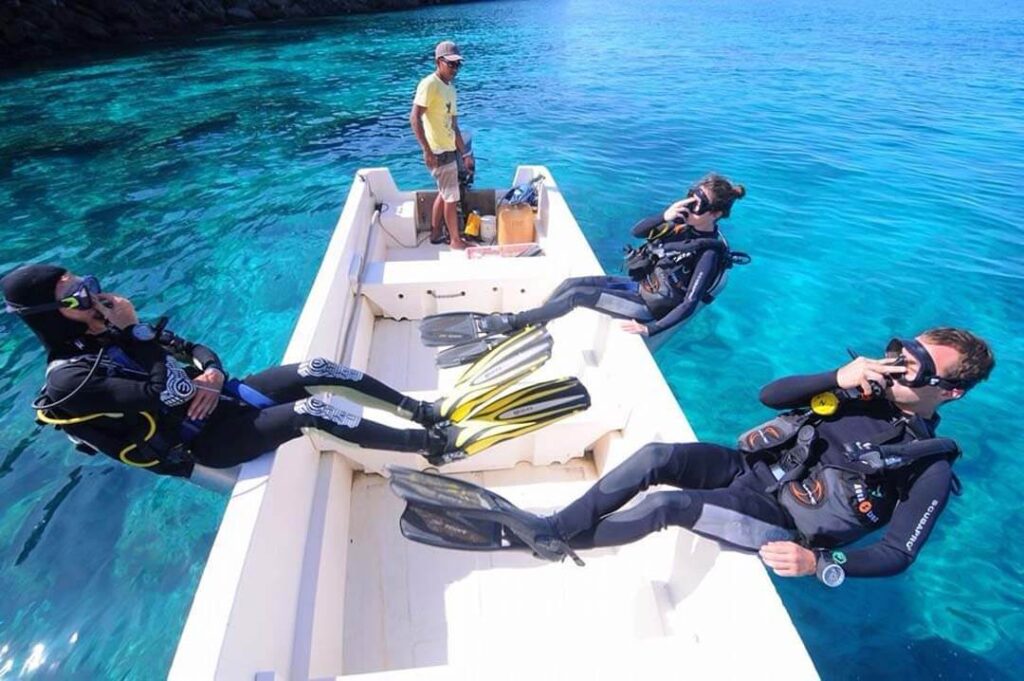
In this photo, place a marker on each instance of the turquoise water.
(883, 151)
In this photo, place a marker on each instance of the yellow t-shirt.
(439, 100)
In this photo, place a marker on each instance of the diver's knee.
(672, 509)
(579, 298)
(316, 413)
(655, 455)
(323, 368)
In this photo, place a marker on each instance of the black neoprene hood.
(30, 285)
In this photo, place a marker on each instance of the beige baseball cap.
(448, 50)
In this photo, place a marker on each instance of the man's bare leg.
(451, 218)
(436, 215)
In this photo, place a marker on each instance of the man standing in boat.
(434, 120)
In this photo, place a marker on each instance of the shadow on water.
(7, 465)
(48, 510)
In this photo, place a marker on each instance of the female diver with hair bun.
(681, 265)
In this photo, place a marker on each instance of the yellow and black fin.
(545, 401)
(526, 410)
(520, 355)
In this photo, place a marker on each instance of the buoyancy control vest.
(143, 439)
(836, 499)
(664, 274)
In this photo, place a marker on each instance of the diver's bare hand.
(429, 159)
(861, 372)
(116, 310)
(208, 386)
(788, 559)
(633, 326)
(677, 211)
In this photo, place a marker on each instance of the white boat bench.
(413, 289)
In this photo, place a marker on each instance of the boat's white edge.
(205, 642)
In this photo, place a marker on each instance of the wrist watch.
(830, 570)
(143, 332)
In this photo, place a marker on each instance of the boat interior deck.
(310, 577)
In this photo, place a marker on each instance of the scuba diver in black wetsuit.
(679, 267)
(857, 451)
(114, 385)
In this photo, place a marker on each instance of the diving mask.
(702, 205)
(77, 297)
(926, 374)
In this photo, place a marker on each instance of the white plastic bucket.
(488, 228)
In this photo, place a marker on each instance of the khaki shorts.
(447, 177)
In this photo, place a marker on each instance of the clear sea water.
(882, 145)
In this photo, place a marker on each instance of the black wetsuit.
(623, 298)
(139, 378)
(726, 497)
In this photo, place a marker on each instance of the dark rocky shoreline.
(35, 30)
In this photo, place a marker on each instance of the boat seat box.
(419, 288)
